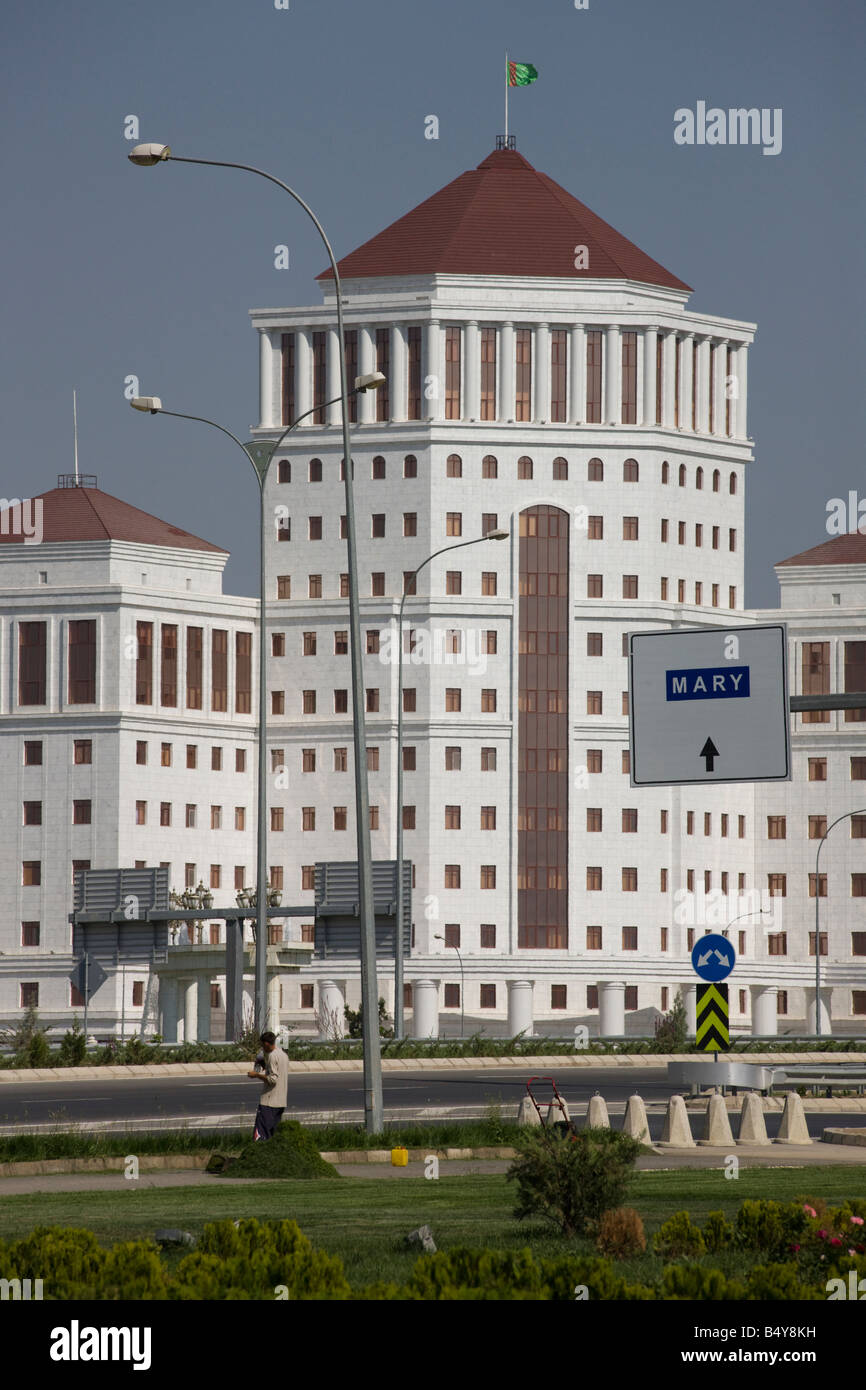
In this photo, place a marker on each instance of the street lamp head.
(149, 154)
(151, 403)
(370, 381)
(496, 536)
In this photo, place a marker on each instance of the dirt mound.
(291, 1153)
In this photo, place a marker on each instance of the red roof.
(503, 218)
(841, 550)
(88, 514)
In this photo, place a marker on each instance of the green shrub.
(678, 1236)
(291, 1153)
(570, 1180)
(693, 1282)
(771, 1227)
(673, 1027)
(250, 1260)
(775, 1282)
(73, 1047)
(620, 1233)
(718, 1232)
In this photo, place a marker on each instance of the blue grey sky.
(111, 270)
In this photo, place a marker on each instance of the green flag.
(521, 74)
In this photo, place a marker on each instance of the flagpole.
(506, 101)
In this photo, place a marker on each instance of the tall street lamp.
(409, 588)
(437, 937)
(260, 455)
(154, 153)
(847, 816)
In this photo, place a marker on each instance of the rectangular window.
(410, 523)
(452, 373)
(488, 875)
(319, 376)
(82, 662)
(629, 378)
(522, 374)
(593, 878)
(593, 378)
(629, 820)
(487, 998)
(816, 678)
(31, 873)
(630, 528)
(558, 367)
(308, 878)
(488, 583)
(143, 663)
(220, 668)
(629, 938)
(377, 584)
(216, 817)
(855, 678)
(243, 672)
(777, 885)
(165, 813)
(194, 637)
(308, 818)
(287, 364)
(660, 362)
(454, 523)
(818, 769)
(777, 827)
(383, 365)
(278, 702)
(594, 586)
(488, 374)
(629, 880)
(32, 813)
(284, 586)
(350, 353)
(413, 412)
(488, 936)
(812, 943)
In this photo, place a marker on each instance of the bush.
(678, 1236)
(355, 1021)
(249, 1260)
(771, 1227)
(73, 1047)
(570, 1180)
(718, 1232)
(682, 1282)
(774, 1282)
(291, 1153)
(673, 1027)
(620, 1233)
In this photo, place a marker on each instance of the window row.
(532, 584)
(453, 701)
(453, 759)
(190, 816)
(166, 756)
(453, 584)
(816, 679)
(33, 663)
(166, 662)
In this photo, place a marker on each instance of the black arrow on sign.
(709, 751)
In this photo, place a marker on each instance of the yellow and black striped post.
(711, 1032)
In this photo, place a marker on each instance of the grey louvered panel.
(337, 929)
(107, 890)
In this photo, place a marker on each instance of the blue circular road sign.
(713, 958)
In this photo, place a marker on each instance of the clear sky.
(111, 270)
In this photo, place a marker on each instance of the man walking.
(274, 1074)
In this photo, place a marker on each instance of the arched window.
(410, 466)
(717, 479)
(524, 466)
(489, 466)
(630, 471)
(699, 478)
(285, 474)
(595, 471)
(378, 466)
(315, 470)
(666, 471)
(560, 470)
(682, 475)
(732, 484)
(454, 466)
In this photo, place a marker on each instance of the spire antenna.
(75, 434)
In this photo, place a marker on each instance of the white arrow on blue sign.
(713, 958)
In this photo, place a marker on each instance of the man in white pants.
(274, 1075)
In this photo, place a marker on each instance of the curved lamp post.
(409, 588)
(154, 153)
(438, 937)
(847, 816)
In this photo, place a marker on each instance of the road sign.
(709, 705)
(713, 957)
(87, 976)
(711, 1031)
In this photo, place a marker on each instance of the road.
(156, 1102)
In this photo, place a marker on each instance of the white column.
(433, 406)
(669, 372)
(472, 371)
(741, 366)
(650, 339)
(332, 1020)
(612, 375)
(266, 379)
(717, 424)
(334, 413)
(541, 374)
(611, 1008)
(519, 1007)
(577, 400)
(506, 371)
(366, 364)
(398, 386)
(274, 1004)
(826, 1022)
(303, 372)
(690, 1001)
(425, 1008)
(203, 1012)
(765, 1018)
(168, 1008)
(686, 373)
(704, 386)
(190, 1010)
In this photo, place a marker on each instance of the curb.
(856, 1137)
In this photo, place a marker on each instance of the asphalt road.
(187, 1099)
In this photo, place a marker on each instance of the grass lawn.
(363, 1220)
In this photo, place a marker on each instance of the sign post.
(713, 959)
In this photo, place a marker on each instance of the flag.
(521, 74)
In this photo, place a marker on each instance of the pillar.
(266, 379)
(611, 1008)
(203, 1009)
(669, 372)
(612, 375)
(332, 1020)
(825, 1013)
(168, 1008)
(303, 372)
(506, 371)
(190, 1010)
(686, 373)
(519, 1007)
(334, 413)
(741, 370)
(541, 386)
(765, 1018)
(273, 1022)
(690, 1000)
(433, 380)
(703, 422)
(577, 374)
(366, 364)
(650, 339)
(425, 1008)
(472, 371)
(398, 386)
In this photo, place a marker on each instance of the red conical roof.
(88, 514)
(503, 218)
